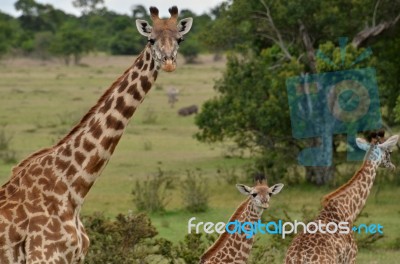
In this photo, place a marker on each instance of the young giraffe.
(342, 205)
(40, 204)
(235, 248)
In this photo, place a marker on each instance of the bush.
(230, 175)
(151, 194)
(195, 192)
(120, 241)
(193, 247)
(131, 239)
(6, 154)
(149, 117)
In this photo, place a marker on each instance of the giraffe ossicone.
(235, 248)
(343, 205)
(41, 202)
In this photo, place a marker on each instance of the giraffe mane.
(92, 110)
(339, 190)
(224, 236)
(83, 121)
(99, 102)
(336, 192)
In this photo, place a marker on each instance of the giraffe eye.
(152, 41)
(180, 40)
(254, 194)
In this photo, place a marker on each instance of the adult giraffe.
(342, 205)
(235, 248)
(40, 204)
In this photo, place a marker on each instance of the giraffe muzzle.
(168, 64)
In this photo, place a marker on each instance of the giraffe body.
(41, 203)
(342, 205)
(235, 248)
(323, 248)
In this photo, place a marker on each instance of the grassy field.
(40, 102)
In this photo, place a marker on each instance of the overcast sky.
(122, 6)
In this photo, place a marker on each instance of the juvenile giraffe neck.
(346, 203)
(80, 157)
(234, 248)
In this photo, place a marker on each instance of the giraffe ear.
(389, 143)
(246, 190)
(362, 144)
(143, 27)
(276, 188)
(185, 25)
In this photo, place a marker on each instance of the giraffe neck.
(92, 142)
(79, 158)
(229, 248)
(346, 203)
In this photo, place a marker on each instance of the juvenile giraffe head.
(260, 193)
(378, 152)
(165, 36)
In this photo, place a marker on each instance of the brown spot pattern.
(146, 85)
(87, 145)
(114, 123)
(95, 164)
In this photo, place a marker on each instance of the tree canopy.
(43, 31)
(273, 40)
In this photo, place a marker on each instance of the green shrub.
(151, 194)
(123, 240)
(193, 247)
(195, 192)
(149, 117)
(228, 174)
(7, 154)
(147, 145)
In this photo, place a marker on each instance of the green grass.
(40, 102)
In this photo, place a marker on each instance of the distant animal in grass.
(172, 96)
(188, 110)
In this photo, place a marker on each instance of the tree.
(127, 42)
(190, 50)
(9, 31)
(70, 40)
(276, 40)
(38, 17)
(230, 27)
(43, 41)
(88, 6)
(140, 12)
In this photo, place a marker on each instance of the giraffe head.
(165, 36)
(378, 152)
(260, 193)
